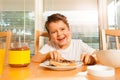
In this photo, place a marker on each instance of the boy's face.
(59, 33)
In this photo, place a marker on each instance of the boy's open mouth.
(60, 39)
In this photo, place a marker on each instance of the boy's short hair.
(54, 18)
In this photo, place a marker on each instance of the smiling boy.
(61, 46)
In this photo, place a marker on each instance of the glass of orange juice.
(2, 57)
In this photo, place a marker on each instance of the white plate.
(100, 70)
(46, 65)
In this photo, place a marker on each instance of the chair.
(7, 35)
(37, 37)
(106, 38)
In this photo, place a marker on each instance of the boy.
(61, 46)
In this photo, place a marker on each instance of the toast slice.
(62, 62)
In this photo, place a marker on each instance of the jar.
(19, 55)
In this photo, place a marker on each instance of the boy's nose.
(59, 32)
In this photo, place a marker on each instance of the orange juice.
(2, 55)
(19, 58)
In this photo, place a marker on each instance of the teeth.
(60, 38)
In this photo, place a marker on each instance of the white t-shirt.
(73, 52)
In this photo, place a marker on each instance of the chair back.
(37, 39)
(106, 33)
(7, 35)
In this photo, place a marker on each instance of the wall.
(16, 5)
(70, 4)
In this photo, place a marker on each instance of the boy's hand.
(87, 59)
(55, 55)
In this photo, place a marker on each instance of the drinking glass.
(2, 57)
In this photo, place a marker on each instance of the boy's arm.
(38, 57)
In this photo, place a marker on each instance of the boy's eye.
(62, 29)
(53, 32)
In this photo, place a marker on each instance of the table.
(35, 72)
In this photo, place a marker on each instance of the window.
(82, 17)
(18, 16)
